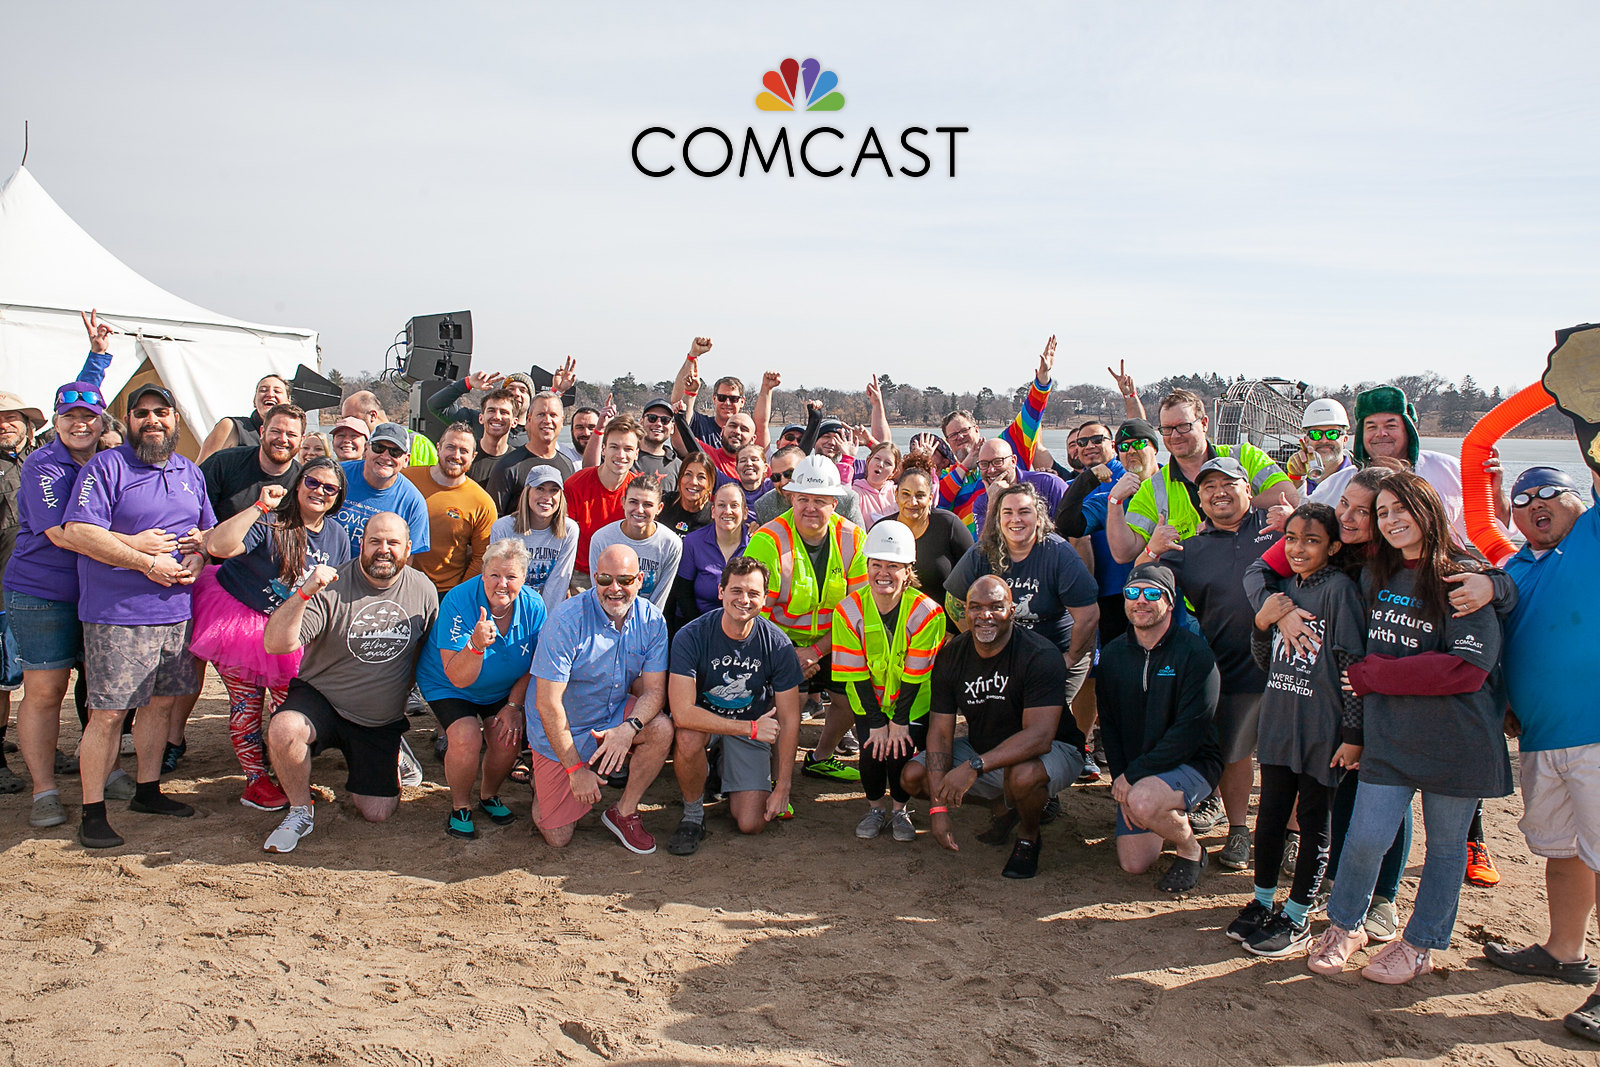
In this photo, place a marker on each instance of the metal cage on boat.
(1265, 412)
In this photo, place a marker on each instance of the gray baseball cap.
(1222, 465)
(391, 433)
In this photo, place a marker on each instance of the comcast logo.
(815, 85)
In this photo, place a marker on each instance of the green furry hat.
(1385, 400)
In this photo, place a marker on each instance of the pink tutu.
(228, 635)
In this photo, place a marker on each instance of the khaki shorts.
(1561, 803)
(128, 665)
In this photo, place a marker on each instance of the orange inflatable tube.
(1477, 495)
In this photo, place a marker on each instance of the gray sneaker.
(410, 766)
(47, 811)
(1383, 920)
(1235, 855)
(295, 825)
(120, 786)
(1204, 818)
(872, 824)
(901, 826)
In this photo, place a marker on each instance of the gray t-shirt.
(1452, 745)
(776, 503)
(667, 465)
(659, 555)
(551, 558)
(1302, 706)
(361, 642)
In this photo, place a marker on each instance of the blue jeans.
(1378, 812)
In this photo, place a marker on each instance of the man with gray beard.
(135, 520)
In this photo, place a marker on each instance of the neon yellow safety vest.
(1162, 494)
(863, 652)
(797, 603)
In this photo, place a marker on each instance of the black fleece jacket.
(1158, 706)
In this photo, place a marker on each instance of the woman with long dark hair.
(1431, 725)
(267, 550)
(685, 511)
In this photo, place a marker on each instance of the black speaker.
(419, 419)
(311, 390)
(438, 347)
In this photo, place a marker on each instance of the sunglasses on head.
(1093, 439)
(316, 485)
(72, 396)
(729, 398)
(1325, 435)
(620, 579)
(1544, 492)
(1133, 444)
(662, 419)
(1149, 592)
(388, 450)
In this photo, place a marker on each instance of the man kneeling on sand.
(361, 627)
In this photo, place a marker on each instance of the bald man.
(361, 626)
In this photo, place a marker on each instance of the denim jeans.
(1394, 861)
(1377, 815)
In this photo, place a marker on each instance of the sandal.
(1585, 1022)
(522, 770)
(1535, 960)
(1183, 875)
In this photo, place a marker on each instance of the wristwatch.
(635, 723)
(976, 763)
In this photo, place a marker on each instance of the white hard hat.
(1324, 412)
(816, 476)
(892, 541)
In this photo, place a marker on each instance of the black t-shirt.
(992, 693)
(681, 522)
(510, 471)
(234, 479)
(819, 554)
(939, 548)
(1210, 571)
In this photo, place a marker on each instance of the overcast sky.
(1332, 192)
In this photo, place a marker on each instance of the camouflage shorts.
(127, 665)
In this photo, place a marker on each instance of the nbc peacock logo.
(816, 88)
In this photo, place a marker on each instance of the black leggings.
(877, 775)
(1280, 787)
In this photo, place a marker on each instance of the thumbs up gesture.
(767, 727)
(1278, 514)
(485, 633)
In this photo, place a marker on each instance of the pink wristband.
(939, 809)
(752, 731)
(574, 770)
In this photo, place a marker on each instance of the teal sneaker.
(461, 824)
(498, 813)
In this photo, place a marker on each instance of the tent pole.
(24, 162)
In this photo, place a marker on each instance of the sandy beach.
(395, 945)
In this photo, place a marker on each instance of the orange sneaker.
(1481, 871)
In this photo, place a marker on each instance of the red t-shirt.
(719, 457)
(592, 506)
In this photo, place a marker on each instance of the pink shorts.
(552, 786)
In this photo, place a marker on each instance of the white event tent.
(50, 270)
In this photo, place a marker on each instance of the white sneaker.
(410, 766)
(295, 825)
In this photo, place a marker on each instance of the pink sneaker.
(264, 795)
(1398, 963)
(629, 830)
(1334, 949)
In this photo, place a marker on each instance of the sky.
(1333, 192)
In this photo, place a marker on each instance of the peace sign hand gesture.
(99, 332)
(1123, 379)
(564, 377)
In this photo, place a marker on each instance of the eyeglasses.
(1178, 430)
(1132, 445)
(1149, 592)
(388, 450)
(72, 396)
(1095, 439)
(729, 398)
(781, 476)
(662, 419)
(1544, 492)
(1325, 435)
(317, 486)
(995, 464)
(621, 579)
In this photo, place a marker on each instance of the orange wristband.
(938, 810)
(752, 731)
(301, 593)
(574, 770)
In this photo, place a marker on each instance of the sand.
(396, 945)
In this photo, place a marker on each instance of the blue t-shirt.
(597, 662)
(252, 578)
(1043, 586)
(361, 502)
(503, 662)
(1111, 575)
(735, 679)
(1551, 670)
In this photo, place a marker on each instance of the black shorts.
(1113, 618)
(449, 709)
(371, 752)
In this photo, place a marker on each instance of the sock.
(1296, 912)
(95, 812)
(1232, 826)
(145, 792)
(47, 793)
(694, 812)
(1265, 896)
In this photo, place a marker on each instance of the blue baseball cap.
(1534, 477)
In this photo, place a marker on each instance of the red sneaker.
(264, 795)
(1481, 871)
(629, 830)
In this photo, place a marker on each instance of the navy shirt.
(1043, 586)
(253, 578)
(1210, 571)
(735, 679)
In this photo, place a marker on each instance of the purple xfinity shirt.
(38, 566)
(120, 493)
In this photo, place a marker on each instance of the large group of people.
(969, 619)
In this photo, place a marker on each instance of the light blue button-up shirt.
(580, 646)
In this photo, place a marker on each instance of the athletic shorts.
(371, 752)
(1238, 718)
(44, 634)
(1063, 763)
(1076, 675)
(746, 765)
(129, 665)
(448, 709)
(1186, 780)
(552, 787)
(1561, 803)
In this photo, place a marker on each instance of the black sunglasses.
(1096, 439)
(620, 579)
(389, 450)
(781, 476)
(658, 418)
(729, 398)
